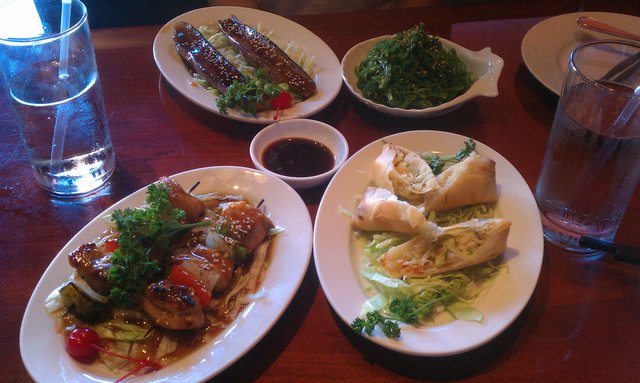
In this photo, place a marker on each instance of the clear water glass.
(592, 162)
(49, 69)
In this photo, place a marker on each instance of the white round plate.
(327, 66)
(484, 65)
(43, 351)
(338, 261)
(547, 45)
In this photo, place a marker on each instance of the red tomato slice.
(180, 276)
(282, 101)
(110, 246)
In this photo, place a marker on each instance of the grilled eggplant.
(262, 52)
(203, 58)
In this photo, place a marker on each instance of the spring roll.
(453, 248)
(381, 210)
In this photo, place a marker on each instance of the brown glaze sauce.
(298, 157)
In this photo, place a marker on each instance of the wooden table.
(582, 323)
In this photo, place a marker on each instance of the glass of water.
(592, 162)
(49, 69)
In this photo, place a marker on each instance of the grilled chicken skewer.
(193, 272)
(262, 52)
(203, 58)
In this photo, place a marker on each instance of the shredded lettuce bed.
(454, 292)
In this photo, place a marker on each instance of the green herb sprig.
(399, 310)
(250, 96)
(437, 163)
(405, 310)
(370, 320)
(144, 232)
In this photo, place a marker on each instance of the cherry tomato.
(282, 101)
(82, 344)
(110, 245)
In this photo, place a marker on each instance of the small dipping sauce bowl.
(304, 153)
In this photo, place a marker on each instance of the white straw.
(60, 127)
(627, 111)
(65, 19)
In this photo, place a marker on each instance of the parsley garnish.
(144, 232)
(400, 309)
(250, 96)
(437, 163)
(391, 329)
(404, 309)
(369, 322)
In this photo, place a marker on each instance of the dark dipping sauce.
(297, 157)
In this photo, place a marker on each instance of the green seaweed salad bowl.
(392, 74)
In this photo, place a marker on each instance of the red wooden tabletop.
(581, 324)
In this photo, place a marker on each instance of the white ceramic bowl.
(317, 131)
(484, 66)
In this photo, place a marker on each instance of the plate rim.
(528, 46)
(286, 290)
(535, 241)
(166, 59)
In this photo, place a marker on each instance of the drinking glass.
(592, 161)
(50, 74)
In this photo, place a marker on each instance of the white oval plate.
(43, 351)
(338, 262)
(484, 66)
(327, 66)
(546, 46)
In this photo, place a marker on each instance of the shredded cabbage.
(462, 214)
(454, 292)
(121, 330)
